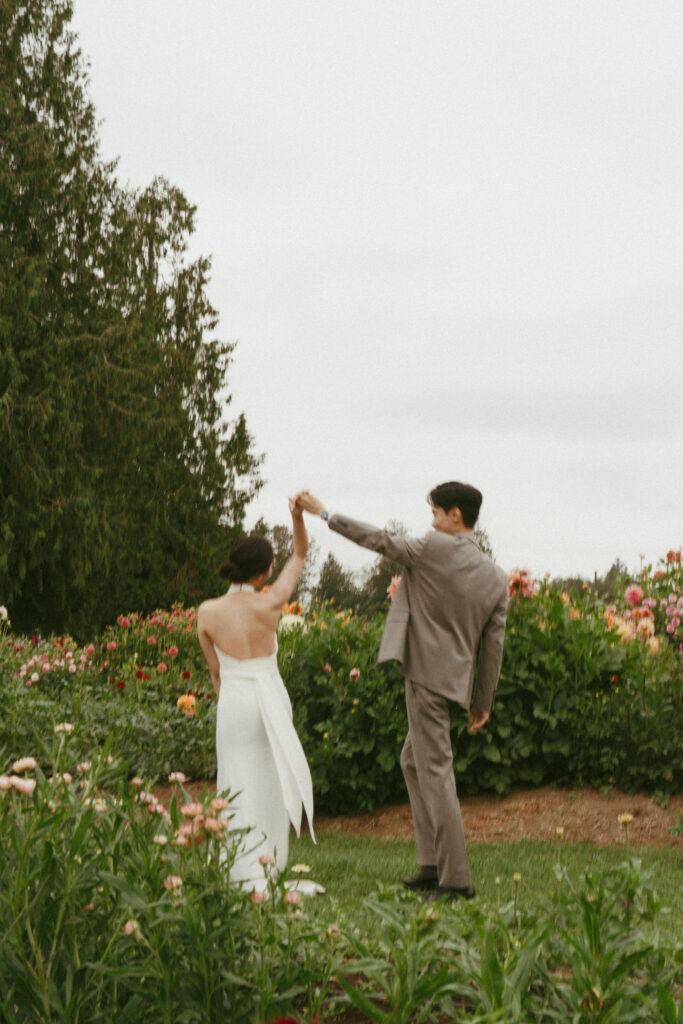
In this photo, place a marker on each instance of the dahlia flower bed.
(590, 694)
(114, 907)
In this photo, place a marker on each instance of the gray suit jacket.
(448, 615)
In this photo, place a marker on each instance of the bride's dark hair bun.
(226, 570)
(248, 557)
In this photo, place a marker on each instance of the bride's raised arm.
(285, 584)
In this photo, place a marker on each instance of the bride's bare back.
(241, 624)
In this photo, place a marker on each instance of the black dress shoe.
(449, 892)
(425, 879)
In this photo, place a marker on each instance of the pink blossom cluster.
(646, 616)
(634, 594)
(153, 804)
(18, 783)
(673, 609)
(54, 658)
(178, 619)
(521, 581)
(195, 829)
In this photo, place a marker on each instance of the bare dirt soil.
(585, 815)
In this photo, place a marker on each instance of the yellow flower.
(300, 869)
(624, 819)
(559, 832)
(516, 878)
(25, 764)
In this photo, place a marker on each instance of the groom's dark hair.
(248, 557)
(456, 495)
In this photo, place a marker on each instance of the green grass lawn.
(353, 868)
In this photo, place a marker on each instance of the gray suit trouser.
(427, 764)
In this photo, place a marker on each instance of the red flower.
(140, 674)
(120, 685)
(186, 674)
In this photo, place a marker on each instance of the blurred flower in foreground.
(289, 621)
(521, 581)
(393, 587)
(187, 703)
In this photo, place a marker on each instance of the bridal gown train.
(261, 761)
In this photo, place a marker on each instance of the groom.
(446, 620)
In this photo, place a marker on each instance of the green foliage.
(118, 473)
(113, 910)
(348, 710)
(100, 922)
(582, 957)
(581, 701)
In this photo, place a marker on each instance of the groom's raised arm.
(400, 549)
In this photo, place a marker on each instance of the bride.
(260, 758)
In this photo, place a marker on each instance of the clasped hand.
(306, 502)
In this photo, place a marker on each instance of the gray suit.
(447, 618)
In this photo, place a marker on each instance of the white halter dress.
(261, 761)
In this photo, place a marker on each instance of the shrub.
(588, 694)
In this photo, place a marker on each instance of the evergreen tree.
(338, 585)
(120, 483)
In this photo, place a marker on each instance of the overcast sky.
(447, 237)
